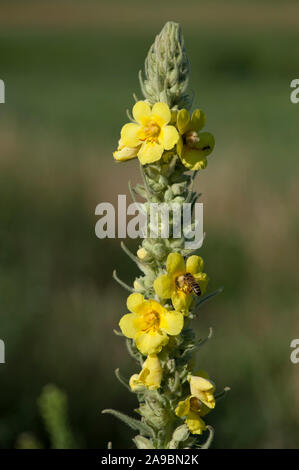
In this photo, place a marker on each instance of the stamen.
(191, 139)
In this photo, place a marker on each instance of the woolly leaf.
(143, 428)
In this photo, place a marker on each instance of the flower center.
(151, 131)
(151, 321)
(182, 284)
(191, 139)
(195, 404)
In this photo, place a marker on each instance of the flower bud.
(143, 443)
(181, 433)
(139, 285)
(159, 251)
(142, 254)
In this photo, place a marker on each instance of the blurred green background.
(70, 68)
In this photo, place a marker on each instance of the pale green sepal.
(143, 443)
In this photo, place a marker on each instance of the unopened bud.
(142, 254)
(181, 433)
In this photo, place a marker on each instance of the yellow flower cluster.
(156, 130)
(151, 324)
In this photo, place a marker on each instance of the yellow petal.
(169, 136)
(162, 111)
(129, 325)
(195, 424)
(164, 286)
(200, 384)
(135, 383)
(183, 408)
(183, 120)
(173, 117)
(203, 280)
(134, 302)
(194, 264)
(153, 378)
(181, 301)
(175, 264)
(180, 147)
(151, 343)
(141, 111)
(129, 135)
(150, 152)
(203, 389)
(206, 143)
(193, 159)
(172, 322)
(126, 153)
(198, 120)
(154, 306)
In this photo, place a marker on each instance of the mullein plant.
(167, 139)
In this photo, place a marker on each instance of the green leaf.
(123, 284)
(143, 428)
(122, 380)
(207, 297)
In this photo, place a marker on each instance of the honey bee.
(188, 284)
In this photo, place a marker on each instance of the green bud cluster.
(167, 69)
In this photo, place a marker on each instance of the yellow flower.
(151, 134)
(150, 376)
(124, 153)
(198, 404)
(203, 388)
(149, 324)
(193, 147)
(190, 410)
(172, 285)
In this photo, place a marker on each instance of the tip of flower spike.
(167, 69)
